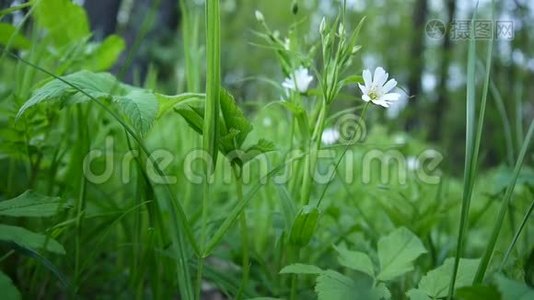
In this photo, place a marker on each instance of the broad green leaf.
(436, 282)
(355, 260)
(301, 269)
(31, 204)
(97, 85)
(416, 294)
(27, 239)
(64, 21)
(333, 285)
(141, 108)
(104, 55)
(513, 290)
(9, 35)
(397, 252)
(9, 291)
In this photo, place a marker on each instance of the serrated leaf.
(397, 252)
(64, 21)
(28, 239)
(233, 119)
(9, 35)
(141, 108)
(300, 269)
(436, 282)
(513, 290)
(97, 85)
(9, 291)
(355, 260)
(31, 204)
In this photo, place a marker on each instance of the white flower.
(376, 89)
(330, 136)
(298, 81)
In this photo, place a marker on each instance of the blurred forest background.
(400, 35)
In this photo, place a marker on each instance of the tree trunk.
(416, 53)
(442, 102)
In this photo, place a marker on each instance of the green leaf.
(333, 285)
(478, 292)
(355, 260)
(28, 239)
(304, 226)
(9, 291)
(397, 252)
(97, 85)
(141, 108)
(166, 102)
(104, 55)
(9, 36)
(301, 269)
(193, 116)
(416, 294)
(31, 204)
(233, 120)
(64, 21)
(436, 282)
(513, 290)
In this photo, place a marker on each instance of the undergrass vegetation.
(116, 188)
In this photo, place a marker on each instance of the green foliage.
(301, 269)
(9, 291)
(397, 253)
(513, 290)
(10, 37)
(65, 22)
(356, 260)
(138, 105)
(31, 204)
(435, 284)
(27, 239)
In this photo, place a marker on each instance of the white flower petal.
(381, 103)
(367, 79)
(390, 97)
(366, 98)
(391, 84)
(380, 77)
(364, 89)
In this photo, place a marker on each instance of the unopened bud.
(259, 16)
(322, 27)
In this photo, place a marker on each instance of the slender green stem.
(488, 252)
(244, 235)
(517, 234)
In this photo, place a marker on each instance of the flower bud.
(322, 27)
(259, 16)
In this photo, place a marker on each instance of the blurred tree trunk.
(442, 102)
(102, 16)
(417, 50)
